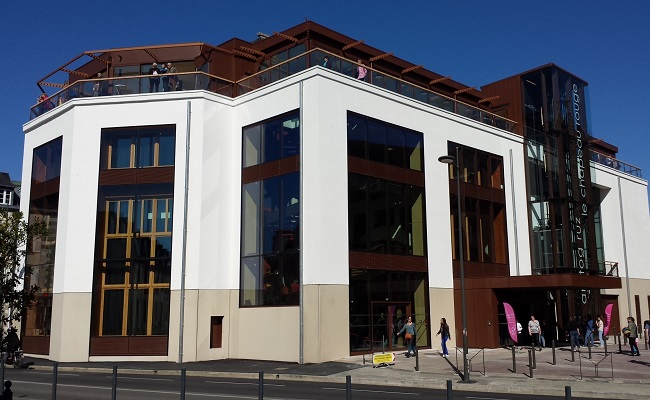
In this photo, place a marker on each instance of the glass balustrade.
(133, 85)
(376, 78)
(618, 165)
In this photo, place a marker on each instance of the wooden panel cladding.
(270, 169)
(36, 345)
(481, 269)
(43, 189)
(128, 346)
(478, 192)
(558, 281)
(387, 262)
(385, 171)
(482, 325)
(216, 331)
(131, 176)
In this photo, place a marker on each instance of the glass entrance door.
(388, 318)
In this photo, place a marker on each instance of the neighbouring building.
(270, 200)
(9, 193)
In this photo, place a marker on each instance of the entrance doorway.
(388, 318)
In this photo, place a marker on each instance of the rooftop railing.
(346, 67)
(133, 85)
(199, 80)
(615, 163)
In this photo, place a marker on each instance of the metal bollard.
(417, 358)
(514, 360)
(620, 349)
(348, 387)
(567, 392)
(2, 369)
(55, 373)
(183, 375)
(260, 386)
(573, 349)
(382, 343)
(553, 350)
(114, 388)
(605, 344)
(589, 349)
(364, 359)
(450, 395)
(530, 364)
(534, 358)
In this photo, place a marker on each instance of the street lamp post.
(454, 161)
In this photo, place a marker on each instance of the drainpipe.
(627, 274)
(184, 251)
(514, 211)
(301, 234)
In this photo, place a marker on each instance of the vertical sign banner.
(512, 321)
(608, 318)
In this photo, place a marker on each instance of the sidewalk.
(631, 374)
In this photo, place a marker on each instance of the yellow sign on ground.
(384, 358)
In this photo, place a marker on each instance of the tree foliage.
(15, 235)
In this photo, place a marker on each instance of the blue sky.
(476, 42)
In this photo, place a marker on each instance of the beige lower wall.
(70, 333)
(640, 287)
(327, 323)
(442, 306)
(262, 333)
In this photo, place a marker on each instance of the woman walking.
(444, 331)
(409, 336)
(601, 328)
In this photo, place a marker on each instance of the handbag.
(408, 336)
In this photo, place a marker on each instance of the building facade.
(266, 200)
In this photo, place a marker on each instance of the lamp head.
(447, 159)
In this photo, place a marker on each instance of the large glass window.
(385, 216)
(382, 142)
(272, 140)
(43, 206)
(483, 213)
(135, 266)
(270, 248)
(270, 241)
(139, 147)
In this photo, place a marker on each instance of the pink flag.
(608, 318)
(512, 321)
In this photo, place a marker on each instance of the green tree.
(15, 236)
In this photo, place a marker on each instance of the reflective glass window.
(138, 147)
(385, 216)
(376, 141)
(113, 312)
(395, 146)
(357, 140)
(121, 151)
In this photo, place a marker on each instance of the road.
(32, 384)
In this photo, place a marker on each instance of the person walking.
(444, 331)
(519, 329)
(533, 331)
(600, 324)
(574, 333)
(589, 331)
(409, 336)
(632, 336)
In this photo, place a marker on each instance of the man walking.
(533, 331)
